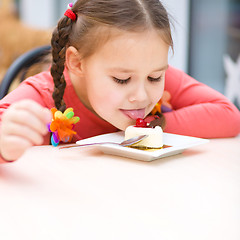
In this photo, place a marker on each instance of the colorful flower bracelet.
(62, 126)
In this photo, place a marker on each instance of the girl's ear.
(73, 61)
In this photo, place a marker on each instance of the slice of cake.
(154, 139)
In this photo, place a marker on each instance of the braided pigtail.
(59, 41)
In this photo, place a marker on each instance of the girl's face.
(124, 79)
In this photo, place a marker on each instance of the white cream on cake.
(154, 139)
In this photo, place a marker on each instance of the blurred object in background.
(233, 29)
(20, 67)
(16, 37)
(215, 33)
(232, 88)
(232, 60)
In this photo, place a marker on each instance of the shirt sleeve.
(198, 110)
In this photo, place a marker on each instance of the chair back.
(21, 64)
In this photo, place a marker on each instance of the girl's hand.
(24, 124)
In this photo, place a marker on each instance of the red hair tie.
(69, 13)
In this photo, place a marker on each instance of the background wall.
(208, 41)
(179, 16)
(40, 14)
(214, 57)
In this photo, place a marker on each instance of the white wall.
(179, 15)
(38, 14)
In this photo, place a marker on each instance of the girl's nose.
(138, 94)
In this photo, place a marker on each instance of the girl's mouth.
(134, 113)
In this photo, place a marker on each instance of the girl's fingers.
(24, 132)
(36, 109)
(25, 118)
(29, 113)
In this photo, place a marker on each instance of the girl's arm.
(23, 119)
(198, 110)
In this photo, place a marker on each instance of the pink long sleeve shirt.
(197, 110)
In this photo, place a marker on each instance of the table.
(83, 194)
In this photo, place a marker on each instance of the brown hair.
(95, 20)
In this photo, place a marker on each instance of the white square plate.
(177, 143)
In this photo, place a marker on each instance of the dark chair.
(20, 65)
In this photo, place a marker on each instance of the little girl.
(110, 64)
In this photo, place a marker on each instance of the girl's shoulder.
(41, 81)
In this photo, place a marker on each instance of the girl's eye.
(121, 81)
(151, 79)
